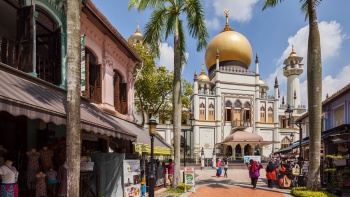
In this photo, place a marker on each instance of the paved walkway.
(237, 184)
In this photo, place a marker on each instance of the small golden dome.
(232, 46)
(203, 76)
(137, 37)
(293, 53)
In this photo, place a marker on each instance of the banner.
(249, 157)
(132, 178)
(189, 176)
(82, 80)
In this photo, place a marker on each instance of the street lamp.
(192, 120)
(289, 113)
(152, 128)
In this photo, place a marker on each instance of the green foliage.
(336, 157)
(302, 192)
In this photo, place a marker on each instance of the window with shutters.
(93, 89)
(202, 111)
(120, 93)
(338, 116)
(211, 112)
(270, 115)
(237, 112)
(228, 111)
(262, 114)
(247, 113)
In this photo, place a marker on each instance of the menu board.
(132, 178)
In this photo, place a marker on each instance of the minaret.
(257, 93)
(293, 68)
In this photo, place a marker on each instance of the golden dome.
(137, 37)
(293, 53)
(261, 82)
(203, 76)
(231, 45)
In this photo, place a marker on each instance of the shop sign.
(189, 176)
(132, 178)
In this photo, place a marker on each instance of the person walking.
(219, 169)
(271, 174)
(225, 167)
(170, 168)
(254, 171)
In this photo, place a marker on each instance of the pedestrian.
(219, 169)
(254, 171)
(271, 174)
(225, 167)
(170, 168)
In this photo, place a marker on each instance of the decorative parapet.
(58, 5)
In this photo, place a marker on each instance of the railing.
(241, 123)
(8, 51)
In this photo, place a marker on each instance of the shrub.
(302, 192)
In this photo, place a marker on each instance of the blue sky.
(271, 34)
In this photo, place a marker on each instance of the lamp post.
(289, 113)
(152, 128)
(291, 138)
(191, 119)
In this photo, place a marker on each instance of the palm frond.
(170, 21)
(154, 29)
(141, 5)
(182, 45)
(304, 7)
(270, 4)
(195, 22)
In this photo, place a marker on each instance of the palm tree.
(165, 20)
(314, 86)
(73, 95)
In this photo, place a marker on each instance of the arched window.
(247, 113)
(262, 114)
(237, 112)
(228, 111)
(211, 112)
(93, 89)
(270, 114)
(202, 111)
(120, 94)
(285, 142)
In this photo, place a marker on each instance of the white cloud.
(331, 41)
(240, 11)
(213, 24)
(330, 85)
(167, 56)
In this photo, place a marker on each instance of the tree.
(165, 20)
(314, 86)
(73, 95)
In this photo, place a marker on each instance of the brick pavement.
(237, 184)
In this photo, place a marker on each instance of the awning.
(22, 94)
(325, 134)
(143, 141)
(239, 137)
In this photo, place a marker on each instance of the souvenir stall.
(288, 169)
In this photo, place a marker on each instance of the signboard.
(249, 157)
(189, 176)
(82, 80)
(132, 178)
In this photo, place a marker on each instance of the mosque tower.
(292, 70)
(137, 37)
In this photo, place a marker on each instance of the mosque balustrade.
(241, 123)
(267, 97)
(205, 92)
(284, 106)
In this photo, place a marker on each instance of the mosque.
(234, 115)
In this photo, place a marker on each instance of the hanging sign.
(82, 80)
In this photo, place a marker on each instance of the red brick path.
(204, 191)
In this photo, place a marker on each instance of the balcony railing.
(8, 51)
(241, 123)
